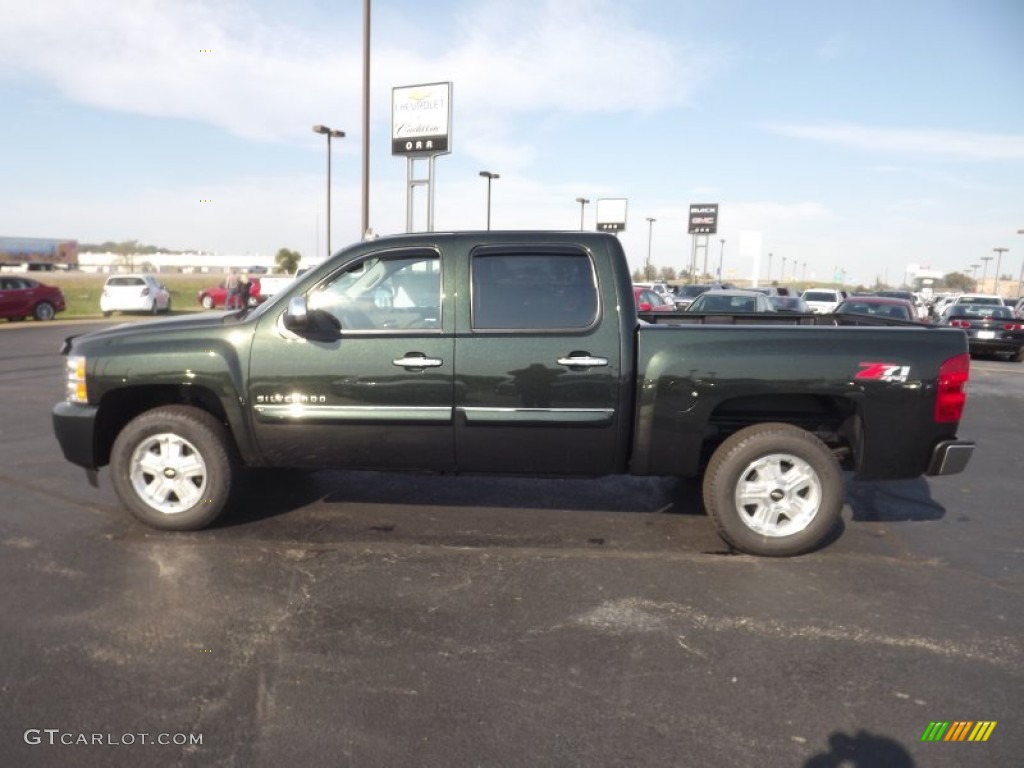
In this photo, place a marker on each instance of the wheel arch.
(120, 406)
(837, 421)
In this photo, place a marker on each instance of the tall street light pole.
(490, 177)
(769, 268)
(330, 133)
(650, 237)
(582, 201)
(366, 120)
(721, 255)
(999, 261)
(984, 270)
(1020, 278)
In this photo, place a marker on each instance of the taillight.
(960, 323)
(145, 291)
(1013, 327)
(952, 390)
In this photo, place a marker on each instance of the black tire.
(173, 467)
(44, 311)
(107, 314)
(167, 309)
(801, 503)
(1018, 357)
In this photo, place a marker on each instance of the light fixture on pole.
(999, 261)
(721, 255)
(330, 133)
(582, 201)
(650, 237)
(490, 177)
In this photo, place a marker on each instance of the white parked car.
(822, 300)
(134, 293)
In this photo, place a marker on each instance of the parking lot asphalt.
(369, 619)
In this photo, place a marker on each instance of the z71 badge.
(883, 372)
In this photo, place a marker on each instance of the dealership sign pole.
(421, 117)
(703, 221)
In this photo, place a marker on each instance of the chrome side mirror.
(296, 318)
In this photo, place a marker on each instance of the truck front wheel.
(774, 490)
(173, 467)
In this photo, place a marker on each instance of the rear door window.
(533, 289)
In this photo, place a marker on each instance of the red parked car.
(217, 296)
(22, 297)
(648, 300)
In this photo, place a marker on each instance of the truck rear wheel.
(774, 490)
(173, 467)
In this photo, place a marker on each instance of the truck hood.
(213, 323)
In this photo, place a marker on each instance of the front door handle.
(414, 360)
(583, 361)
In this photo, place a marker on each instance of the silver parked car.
(731, 301)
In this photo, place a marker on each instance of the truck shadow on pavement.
(893, 501)
(861, 750)
(356, 504)
(266, 494)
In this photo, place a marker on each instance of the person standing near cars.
(244, 289)
(234, 291)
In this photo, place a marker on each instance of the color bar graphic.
(958, 730)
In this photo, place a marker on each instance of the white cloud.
(956, 145)
(260, 77)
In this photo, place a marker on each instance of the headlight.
(74, 379)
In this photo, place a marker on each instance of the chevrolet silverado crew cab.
(517, 353)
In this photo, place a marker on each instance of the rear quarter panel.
(688, 375)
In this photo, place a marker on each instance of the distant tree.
(638, 275)
(958, 281)
(667, 274)
(123, 248)
(287, 260)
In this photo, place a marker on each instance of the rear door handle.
(415, 360)
(583, 361)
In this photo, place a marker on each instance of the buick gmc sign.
(703, 219)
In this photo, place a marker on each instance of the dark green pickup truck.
(516, 353)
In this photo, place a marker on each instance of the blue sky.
(866, 135)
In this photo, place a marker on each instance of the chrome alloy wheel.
(168, 473)
(778, 495)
